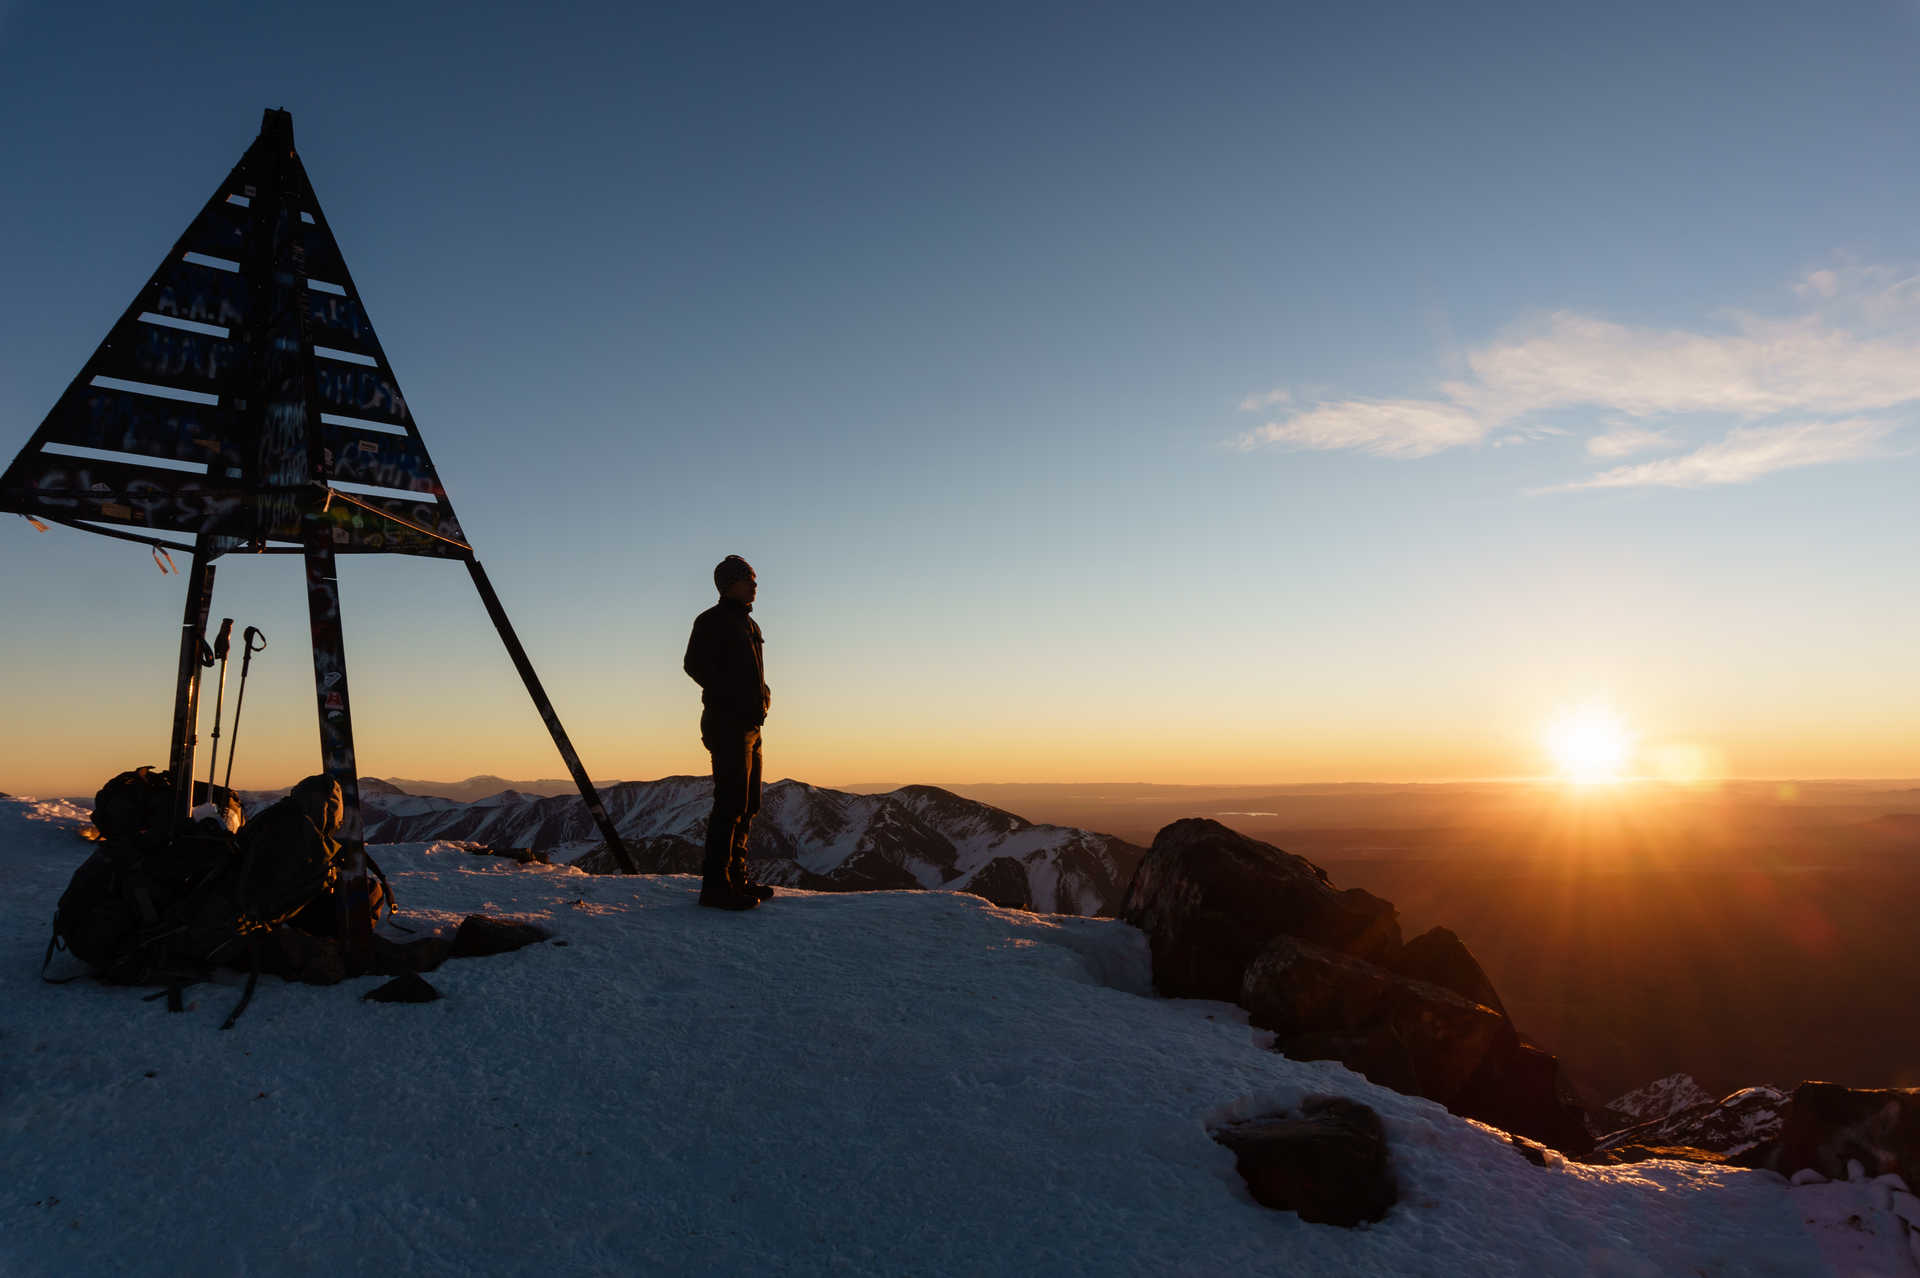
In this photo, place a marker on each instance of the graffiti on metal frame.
(172, 357)
(383, 461)
(202, 294)
(341, 322)
(360, 392)
(95, 417)
(164, 500)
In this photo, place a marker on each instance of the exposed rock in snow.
(1230, 917)
(1834, 1129)
(1210, 900)
(1328, 1163)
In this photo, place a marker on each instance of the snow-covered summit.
(867, 1084)
(1658, 1099)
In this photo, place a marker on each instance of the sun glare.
(1590, 745)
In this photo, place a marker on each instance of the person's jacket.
(723, 657)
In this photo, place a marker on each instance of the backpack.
(135, 808)
(145, 909)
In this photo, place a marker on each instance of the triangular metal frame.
(243, 401)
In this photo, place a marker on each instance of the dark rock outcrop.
(421, 954)
(480, 936)
(1328, 1163)
(1828, 1126)
(1439, 957)
(408, 988)
(1231, 918)
(1404, 1034)
(1521, 1088)
(1211, 899)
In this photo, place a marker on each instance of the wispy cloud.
(1746, 453)
(1386, 428)
(1624, 440)
(1853, 348)
(1266, 399)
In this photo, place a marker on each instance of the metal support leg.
(186, 699)
(552, 720)
(336, 743)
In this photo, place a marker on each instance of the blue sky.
(1236, 393)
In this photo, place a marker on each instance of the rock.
(480, 936)
(421, 954)
(1210, 900)
(1429, 1040)
(1647, 1153)
(1374, 1055)
(1294, 987)
(1520, 1087)
(1439, 957)
(1531, 1150)
(410, 988)
(1829, 1126)
(525, 856)
(1328, 1163)
(1231, 918)
(1413, 1037)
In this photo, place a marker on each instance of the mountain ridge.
(806, 836)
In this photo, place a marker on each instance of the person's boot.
(716, 886)
(742, 885)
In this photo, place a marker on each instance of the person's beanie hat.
(729, 570)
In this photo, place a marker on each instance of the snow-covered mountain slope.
(805, 836)
(869, 1084)
(1731, 1125)
(1661, 1097)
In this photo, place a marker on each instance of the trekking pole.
(221, 644)
(239, 702)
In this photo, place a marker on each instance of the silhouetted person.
(723, 656)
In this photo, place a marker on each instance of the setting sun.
(1589, 744)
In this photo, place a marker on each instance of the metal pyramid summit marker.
(243, 400)
(243, 386)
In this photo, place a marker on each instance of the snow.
(874, 1083)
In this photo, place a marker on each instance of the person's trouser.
(735, 750)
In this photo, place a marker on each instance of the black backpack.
(145, 909)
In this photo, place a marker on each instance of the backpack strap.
(385, 886)
(54, 943)
(253, 978)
